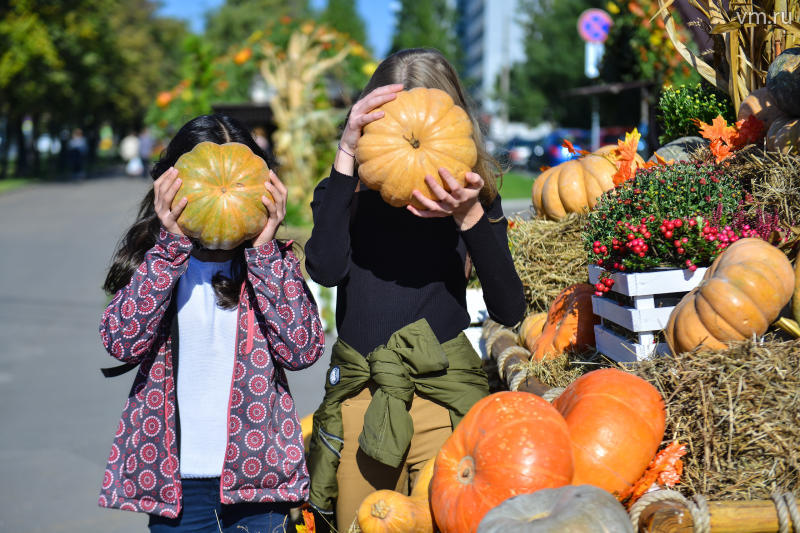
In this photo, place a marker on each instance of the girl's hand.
(362, 114)
(165, 188)
(276, 209)
(461, 202)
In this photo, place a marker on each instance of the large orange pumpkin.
(421, 131)
(616, 423)
(575, 186)
(740, 295)
(569, 324)
(224, 184)
(509, 443)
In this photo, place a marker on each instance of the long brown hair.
(142, 235)
(427, 67)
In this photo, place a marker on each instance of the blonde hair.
(427, 67)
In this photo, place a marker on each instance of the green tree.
(554, 64)
(342, 16)
(236, 20)
(428, 24)
(80, 63)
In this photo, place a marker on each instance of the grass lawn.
(517, 185)
(9, 184)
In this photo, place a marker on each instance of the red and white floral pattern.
(278, 329)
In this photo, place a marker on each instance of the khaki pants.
(359, 475)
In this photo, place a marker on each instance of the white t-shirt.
(206, 352)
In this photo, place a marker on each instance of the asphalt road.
(58, 413)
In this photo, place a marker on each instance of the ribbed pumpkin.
(422, 130)
(581, 509)
(224, 184)
(569, 324)
(509, 443)
(783, 135)
(761, 104)
(382, 511)
(740, 295)
(531, 328)
(575, 185)
(616, 423)
(783, 81)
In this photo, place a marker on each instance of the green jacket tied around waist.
(411, 360)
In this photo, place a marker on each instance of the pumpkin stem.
(466, 470)
(379, 509)
(413, 141)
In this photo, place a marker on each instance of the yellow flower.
(655, 39)
(612, 8)
(307, 28)
(369, 68)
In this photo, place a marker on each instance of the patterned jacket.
(278, 328)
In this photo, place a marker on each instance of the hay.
(567, 367)
(774, 181)
(738, 411)
(548, 256)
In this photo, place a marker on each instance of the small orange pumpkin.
(387, 511)
(224, 184)
(616, 422)
(531, 328)
(421, 131)
(761, 104)
(741, 294)
(569, 325)
(509, 443)
(783, 135)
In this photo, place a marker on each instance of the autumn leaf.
(308, 520)
(544, 167)
(666, 469)
(718, 129)
(625, 157)
(720, 150)
(748, 131)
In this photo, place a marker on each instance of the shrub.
(677, 107)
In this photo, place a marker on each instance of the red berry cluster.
(603, 286)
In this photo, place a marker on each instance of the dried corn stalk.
(294, 74)
(747, 36)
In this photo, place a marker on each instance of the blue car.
(551, 151)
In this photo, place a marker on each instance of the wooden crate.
(629, 325)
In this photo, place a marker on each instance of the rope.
(788, 515)
(552, 394)
(701, 518)
(791, 503)
(511, 350)
(496, 335)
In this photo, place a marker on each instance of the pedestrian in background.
(77, 154)
(209, 439)
(129, 152)
(146, 144)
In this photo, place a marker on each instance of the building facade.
(492, 38)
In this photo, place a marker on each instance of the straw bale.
(738, 411)
(548, 256)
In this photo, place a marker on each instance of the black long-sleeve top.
(393, 268)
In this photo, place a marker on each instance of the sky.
(379, 13)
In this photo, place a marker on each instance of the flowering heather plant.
(679, 215)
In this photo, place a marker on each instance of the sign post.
(593, 27)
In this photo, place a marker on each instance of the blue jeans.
(203, 512)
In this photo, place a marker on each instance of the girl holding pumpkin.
(402, 372)
(209, 438)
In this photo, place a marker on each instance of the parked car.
(551, 150)
(519, 151)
